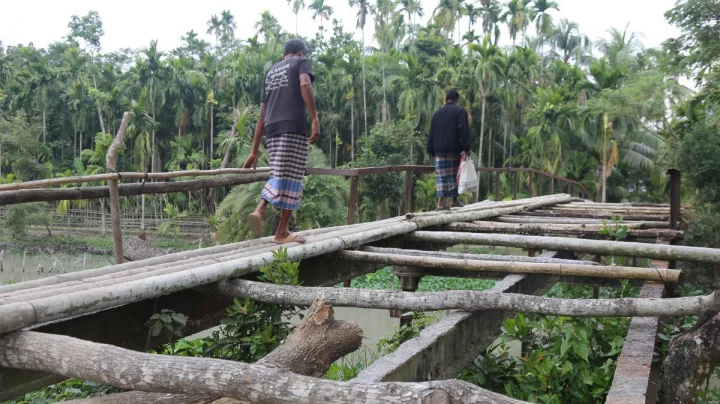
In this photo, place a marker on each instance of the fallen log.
(315, 344)
(466, 300)
(539, 268)
(693, 357)
(57, 194)
(213, 377)
(496, 227)
(600, 247)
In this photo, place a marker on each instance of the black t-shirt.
(284, 105)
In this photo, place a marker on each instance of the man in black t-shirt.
(287, 91)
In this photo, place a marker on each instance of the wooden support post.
(111, 166)
(517, 184)
(497, 185)
(408, 190)
(552, 185)
(353, 201)
(674, 205)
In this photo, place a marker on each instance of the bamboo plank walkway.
(563, 226)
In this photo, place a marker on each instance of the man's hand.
(315, 132)
(251, 161)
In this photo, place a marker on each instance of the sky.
(133, 23)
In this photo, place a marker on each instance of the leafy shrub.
(20, 217)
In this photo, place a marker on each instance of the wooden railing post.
(352, 202)
(517, 184)
(497, 185)
(111, 166)
(408, 190)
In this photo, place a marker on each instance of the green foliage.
(562, 359)
(171, 227)
(615, 229)
(419, 322)
(167, 322)
(20, 217)
(71, 389)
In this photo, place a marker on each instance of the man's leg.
(283, 230)
(261, 207)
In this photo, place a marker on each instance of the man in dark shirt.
(449, 138)
(287, 90)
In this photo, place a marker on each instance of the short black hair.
(294, 45)
(452, 95)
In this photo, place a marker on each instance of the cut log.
(601, 247)
(692, 359)
(467, 301)
(539, 268)
(560, 230)
(213, 377)
(315, 344)
(57, 194)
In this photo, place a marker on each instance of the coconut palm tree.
(567, 42)
(364, 10)
(297, 5)
(322, 11)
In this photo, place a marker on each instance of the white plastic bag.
(467, 176)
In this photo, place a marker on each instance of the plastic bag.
(467, 176)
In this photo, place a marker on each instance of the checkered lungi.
(446, 171)
(288, 157)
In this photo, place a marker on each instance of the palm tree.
(297, 5)
(621, 48)
(215, 28)
(543, 20)
(517, 17)
(447, 16)
(268, 26)
(228, 24)
(412, 8)
(566, 38)
(364, 9)
(322, 10)
(491, 17)
(486, 70)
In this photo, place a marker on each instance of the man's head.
(295, 47)
(452, 96)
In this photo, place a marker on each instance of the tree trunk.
(212, 131)
(362, 54)
(99, 110)
(102, 216)
(257, 383)
(44, 125)
(464, 300)
(482, 133)
(352, 130)
(111, 166)
(692, 359)
(384, 100)
(505, 133)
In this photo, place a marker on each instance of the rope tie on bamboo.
(142, 184)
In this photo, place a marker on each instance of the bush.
(20, 217)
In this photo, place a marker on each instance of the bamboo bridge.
(91, 324)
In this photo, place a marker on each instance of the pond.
(16, 268)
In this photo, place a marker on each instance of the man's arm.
(308, 96)
(252, 159)
(464, 131)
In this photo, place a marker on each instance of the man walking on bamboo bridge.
(287, 90)
(449, 138)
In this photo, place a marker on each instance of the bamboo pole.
(254, 383)
(601, 247)
(127, 175)
(599, 214)
(57, 306)
(466, 256)
(467, 301)
(515, 267)
(57, 194)
(569, 230)
(111, 165)
(564, 220)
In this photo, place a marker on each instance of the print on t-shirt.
(277, 78)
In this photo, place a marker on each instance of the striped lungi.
(288, 157)
(446, 171)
